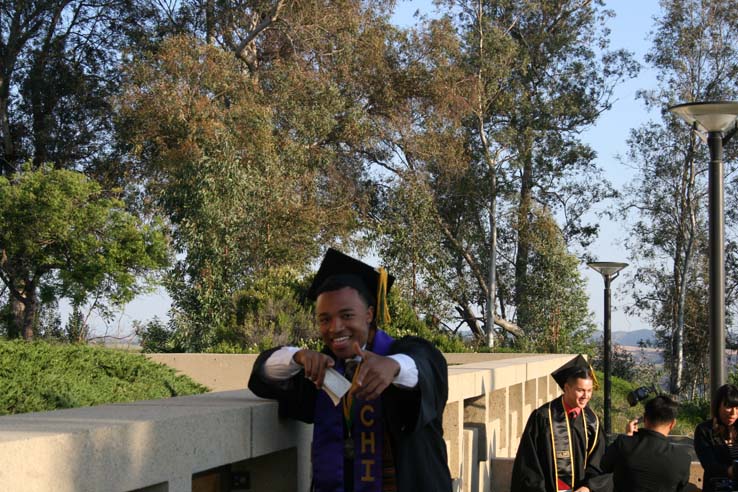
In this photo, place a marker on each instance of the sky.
(629, 30)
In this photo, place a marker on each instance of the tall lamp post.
(609, 271)
(714, 118)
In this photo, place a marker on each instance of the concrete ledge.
(136, 445)
(207, 442)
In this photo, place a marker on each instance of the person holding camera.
(716, 441)
(644, 459)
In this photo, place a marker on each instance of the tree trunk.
(7, 163)
(18, 309)
(524, 207)
(29, 316)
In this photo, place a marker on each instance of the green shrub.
(690, 413)
(42, 376)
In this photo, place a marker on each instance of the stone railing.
(231, 440)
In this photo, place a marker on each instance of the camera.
(639, 394)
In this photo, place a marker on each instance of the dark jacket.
(713, 454)
(646, 462)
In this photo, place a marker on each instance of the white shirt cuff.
(281, 365)
(408, 375)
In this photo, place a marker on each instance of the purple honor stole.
(367, 431)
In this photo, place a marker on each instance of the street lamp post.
(609, 271)
(714, 118)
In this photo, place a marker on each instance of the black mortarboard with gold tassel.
(372, 283)
(574, 368)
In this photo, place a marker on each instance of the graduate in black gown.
(562, 444)
(386, 433)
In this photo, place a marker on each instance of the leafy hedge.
(41, 376)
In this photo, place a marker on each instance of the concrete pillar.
(453, 425)
(516, 416)
(476, 416)
(498, 430)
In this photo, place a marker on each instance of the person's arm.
(296, 395)
(424, 403)
(708, 453)
(408, 376)
(281, 365)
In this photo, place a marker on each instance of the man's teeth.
(340, 339)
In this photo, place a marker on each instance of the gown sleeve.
(296, 395)
(417, 407)
(414, 418)
(597, 479)
(527, 474)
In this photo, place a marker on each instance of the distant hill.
(628, 338)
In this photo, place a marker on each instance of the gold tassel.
(595, 383)
(383, 316)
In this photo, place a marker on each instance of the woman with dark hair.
(716, 440)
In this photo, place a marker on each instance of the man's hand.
(375, 374)
(315, 364)
(583, 489)
(631, 427)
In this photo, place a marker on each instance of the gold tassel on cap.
(383, 316)
(595, 383)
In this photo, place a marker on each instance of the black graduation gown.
(413, 418)
(533, 469)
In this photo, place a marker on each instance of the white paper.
(335, 385)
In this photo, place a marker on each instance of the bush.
(42, 376)
(406, 322)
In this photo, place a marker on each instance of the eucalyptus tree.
(487, 142)
(58, 67)
(694, 54)
(246, 132)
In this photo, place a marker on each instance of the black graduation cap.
(353, 272)
(577, 365)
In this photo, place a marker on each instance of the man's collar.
(569, 410)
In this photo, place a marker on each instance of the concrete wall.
(219, 372)
(231, 440)
(225, 372)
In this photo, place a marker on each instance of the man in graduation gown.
(562, 444)
(386, 433)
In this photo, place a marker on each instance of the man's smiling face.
(343, 318)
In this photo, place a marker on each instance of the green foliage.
(63, 237)
(480, 127)
(406, 322)
(40, 376)
(691, 412)
(553, 308)
(240, 169)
